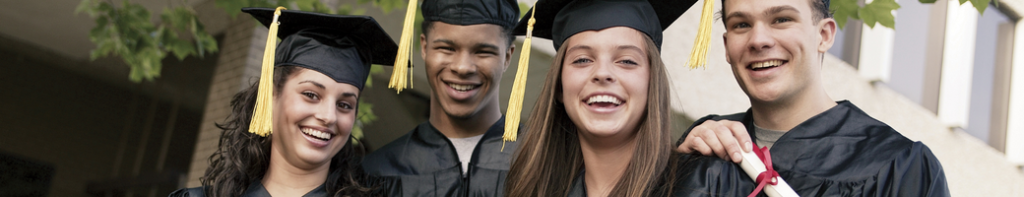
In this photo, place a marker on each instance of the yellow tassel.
(515, 101)
(262, 116)
(698, 57)
(402, 67)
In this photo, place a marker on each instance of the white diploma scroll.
(753, 166)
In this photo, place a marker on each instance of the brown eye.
(311, 95)
(345, 106)
(740, 25)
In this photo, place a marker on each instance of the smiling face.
(775, 47)
(313, 117)
(464, 66)
(605, 80)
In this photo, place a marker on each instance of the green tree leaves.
(981, 5)
(127, 31)
(876, 12)
(843, 10)
(880, 11)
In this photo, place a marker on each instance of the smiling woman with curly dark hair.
(319, 71)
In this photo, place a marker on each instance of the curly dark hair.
(242, 158)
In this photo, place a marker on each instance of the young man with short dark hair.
(466, 46)
(819, 146)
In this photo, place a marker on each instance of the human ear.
(423, 45)
(827, 32)
(508, 57)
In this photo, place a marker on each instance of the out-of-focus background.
(73, 126)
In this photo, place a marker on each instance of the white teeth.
(461, 87)
(318, 134)
(766, 64)
(604, 99)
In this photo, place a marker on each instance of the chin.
(460, 112)
(764, 92)
(319, 156)
(600, 128)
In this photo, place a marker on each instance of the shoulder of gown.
(188, 192)
(396, 158)
(692, 175)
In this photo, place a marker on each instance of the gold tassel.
(698, 57)
(402, 67)
(515, 101)
(262, 116)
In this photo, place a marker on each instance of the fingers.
(725, 139)
(711, 137)
(730, 145)
(740, 132)
(700, 146)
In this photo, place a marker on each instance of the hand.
(717, 138)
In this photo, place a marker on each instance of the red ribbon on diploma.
(768, 176)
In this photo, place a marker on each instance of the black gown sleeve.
(916, 173)
(383, 186)
(709, 176)
(188, 192)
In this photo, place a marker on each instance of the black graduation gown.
(845, 152)
(255, 189)
(426, 164)
(693, 176)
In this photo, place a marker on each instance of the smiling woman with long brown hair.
(319, 70)
(601, 124)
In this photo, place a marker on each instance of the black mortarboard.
(503, 13)
(341, 47)
(560, 19)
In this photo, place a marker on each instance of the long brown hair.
(549, 158)
(242, 158)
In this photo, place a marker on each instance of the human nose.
(327, 114)
(603, 74)
(760, 38)
(463, 65)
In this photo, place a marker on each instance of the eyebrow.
(631, 47)
(321, 86)
(477, 46)
(349, 94)
(769, 11)
(317, 84)
(781, 8)
(446, 41)
(736, 14)
(486, 46)
(578, 47)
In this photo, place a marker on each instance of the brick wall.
(237, 67)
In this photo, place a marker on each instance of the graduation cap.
(560, 19)
(457, 12)
(341, 47)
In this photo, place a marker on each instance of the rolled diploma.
(753, 166)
